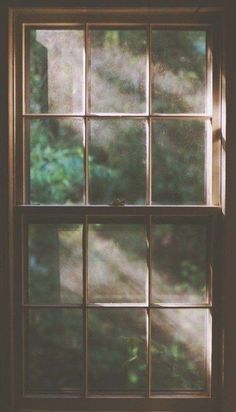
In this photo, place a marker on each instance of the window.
(116, 203)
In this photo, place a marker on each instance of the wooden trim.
(165, 211)
(185, 402)
(144, 12)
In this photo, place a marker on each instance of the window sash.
(38, 215)
(211, 181)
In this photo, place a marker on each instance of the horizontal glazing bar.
(167, 402)
(53, 25)
(171, 393)
(114, 26)
(48, 305)
(118, 305)
(80, 211)
(180, 27)
(117, 115)
(202, 116)
(156, 16)
(52, 115)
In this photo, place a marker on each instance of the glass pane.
(54, 350)
(178, 161)
(117, 161)
(56, 161)
(118, 71)
(179, 263)
(117, 350)
(56, 71)
(55, 263)
(179, 343)
(117, 263)
(178, 71)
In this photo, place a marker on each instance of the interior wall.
(228, 280)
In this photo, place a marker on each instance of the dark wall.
(230, 233)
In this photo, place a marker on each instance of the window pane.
(118, 71)
(56, 71)
(178, 161)
(179, 343)
(117, 350)
(178, 71)
(56, 161)
(117, 263)
(54, 350)
(179, 263)
(117, 161)
(55, 263)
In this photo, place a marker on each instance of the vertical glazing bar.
(24, 348)
(148, 71)
(213, 40)
(26, 160)
(23, 258)
(149, 368)
(208, 320)
(148, 157)
(208, 163)
(215, 332)
(86, 109)
(149, 109)
(208, 143)
(26, 70)
(21, 55)
(85, 299)
(208, 351)
(209, 78)
(25, 151)
(211, 244)
(147, 120)
(85, 153)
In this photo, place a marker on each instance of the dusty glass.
(55, 263)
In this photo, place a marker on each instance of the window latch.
(117, 202)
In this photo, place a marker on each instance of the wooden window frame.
(20, 212)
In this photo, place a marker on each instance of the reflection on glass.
(55, 263)
(56, 161)
(118, 71)
(179, 269)
(117, 161)
(117, 350)
(178, 161)
(54, 350)
(56, 71)
(117, 266)
(179, 343)
(178, 71)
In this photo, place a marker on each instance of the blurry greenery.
(116, 351)
(173, 368)
(55, 341)
(178, 158)
(56, 176)
(56, 161)
(179, 253)
(117, 161)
